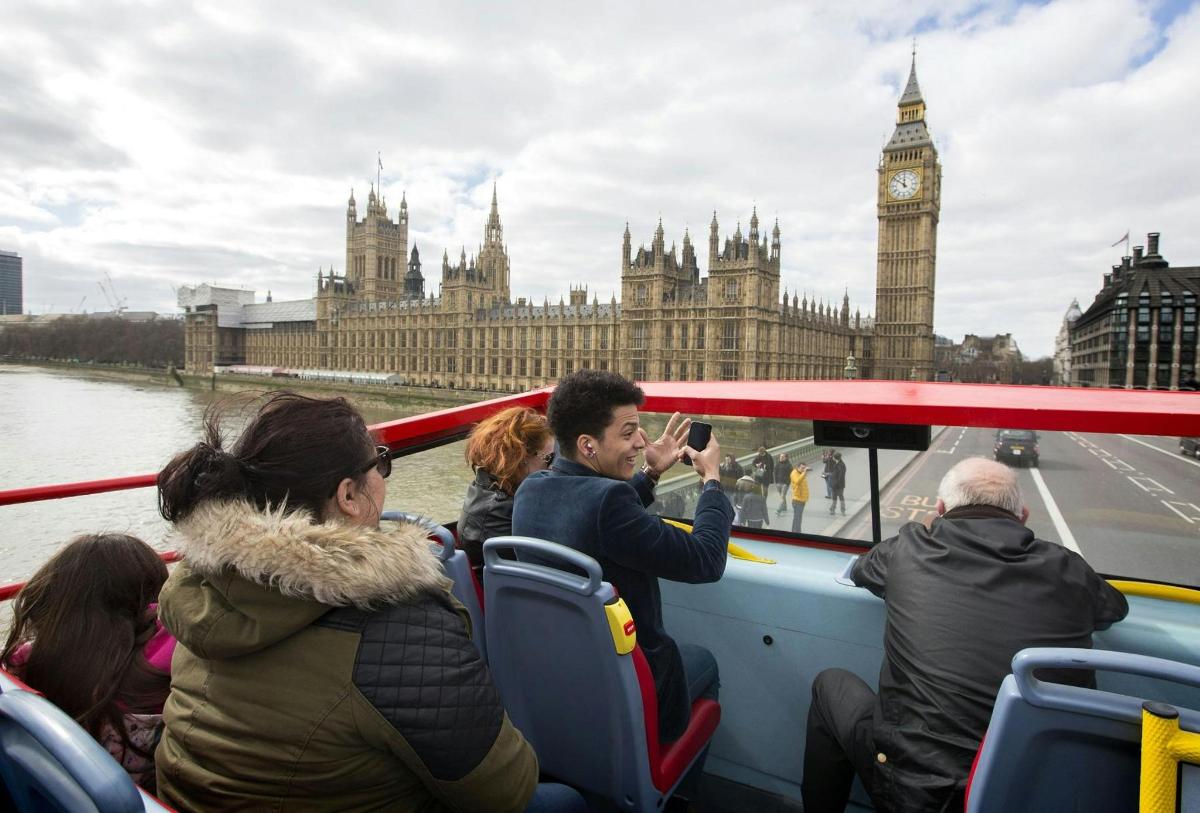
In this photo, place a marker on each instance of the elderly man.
(963, 596)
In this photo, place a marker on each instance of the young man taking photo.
(594, 499)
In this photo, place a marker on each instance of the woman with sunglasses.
(503, 450)
(322, 662)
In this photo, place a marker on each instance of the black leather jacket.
(962, 599)
(486, 512)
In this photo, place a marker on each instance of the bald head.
(979, 481)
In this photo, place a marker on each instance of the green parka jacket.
(326, 667)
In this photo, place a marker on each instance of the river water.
(62, 427)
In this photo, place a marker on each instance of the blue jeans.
(551, 797)
(703, 680)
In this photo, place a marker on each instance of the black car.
(1190, 447)
(1016, 446)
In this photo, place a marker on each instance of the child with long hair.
(86, 635)
(503, 450)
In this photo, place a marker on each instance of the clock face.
(904, 184)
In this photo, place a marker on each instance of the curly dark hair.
(583, 403)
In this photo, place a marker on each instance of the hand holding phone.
(697, 439)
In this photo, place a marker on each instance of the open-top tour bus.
(1109, 483)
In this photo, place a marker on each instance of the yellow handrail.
(1167, 592)
(735, 550)
(1164, 746)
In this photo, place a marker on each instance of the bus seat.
(457, 567)
(49, 763)
(1055, 747)
(565, 659)
(10, 682)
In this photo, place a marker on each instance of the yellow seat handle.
(621, 626)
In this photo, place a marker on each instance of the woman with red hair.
(503, 450)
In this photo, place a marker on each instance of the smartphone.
(698, 437)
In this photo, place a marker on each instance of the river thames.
(61, 427)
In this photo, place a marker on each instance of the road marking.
(1154, 486)
(1195, 509)
(1056, 517)
(1117, 464)
(1174, 455)
(953, 448)
(1098, 452)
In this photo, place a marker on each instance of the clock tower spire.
(909, 202)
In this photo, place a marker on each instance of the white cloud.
(166, 144)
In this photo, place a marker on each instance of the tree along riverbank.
(112, 340)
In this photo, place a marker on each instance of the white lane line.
(952, 449)
(1117, 464)
(1153, 488)
(1174, 455)
(1098, 452)
(1056, 517)
(1191, 505)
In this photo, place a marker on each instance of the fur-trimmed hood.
(332, 564)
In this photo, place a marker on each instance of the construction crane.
(117, 303)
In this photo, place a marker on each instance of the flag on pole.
(380, 157)
(1122, 239)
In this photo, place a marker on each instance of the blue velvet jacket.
(607, 519)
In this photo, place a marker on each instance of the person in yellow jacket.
(799, 494)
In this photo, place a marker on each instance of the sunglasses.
(381, 462)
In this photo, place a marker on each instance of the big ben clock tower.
(910, 185)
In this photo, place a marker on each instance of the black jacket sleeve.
(870, 571)
(1109, 603)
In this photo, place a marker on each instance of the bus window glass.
(1129, 504)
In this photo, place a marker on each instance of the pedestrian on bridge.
(730, 470)
(783, 480)
(764, 461)
(799, 481)
(751, 505)
(837, 482)
(827, 472)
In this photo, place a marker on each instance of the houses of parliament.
(672, 323)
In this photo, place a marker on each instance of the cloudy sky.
(165, 144)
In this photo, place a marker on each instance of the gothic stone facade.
(910, 200)
(671, 324)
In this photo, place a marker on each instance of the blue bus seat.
(49, 763)
(1055, 747)
(589, 710)
(457, 568)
